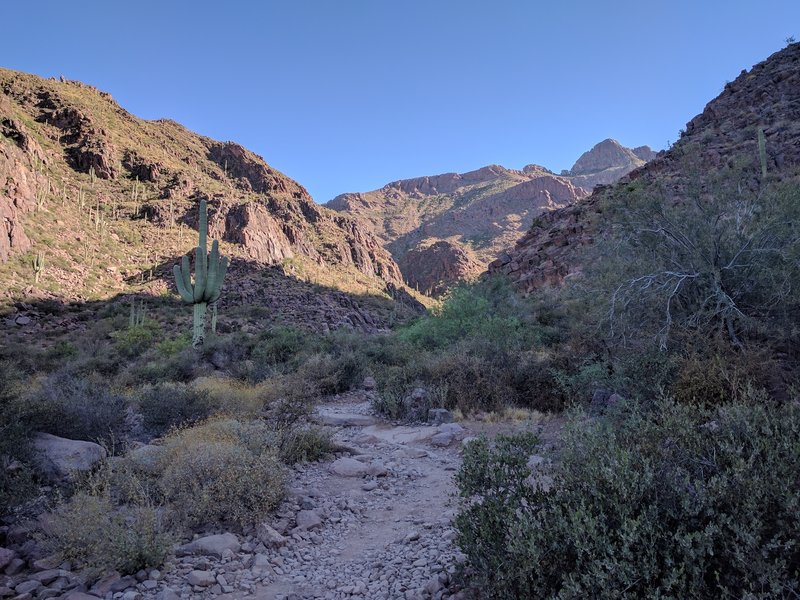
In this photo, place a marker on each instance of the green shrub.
(303, 444)
(81, 407)
(16, 475)
(167, 405)
(171, 346)
(683, 502)
(132, 341)
(97, 535)
(222, 472)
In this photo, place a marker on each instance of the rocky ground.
(375, 523)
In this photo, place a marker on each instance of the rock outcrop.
(606, 163)
(726, 132)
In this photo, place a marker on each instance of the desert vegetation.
(664, 356)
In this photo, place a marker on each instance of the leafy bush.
(167, 405)
(222, 471)
(132, 341)
(92, 531)
(79, 407)
(685, 502)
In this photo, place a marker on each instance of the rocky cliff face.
(767, 96)
(446, 228)
(109, 197)
(606, 163)
(432, 269)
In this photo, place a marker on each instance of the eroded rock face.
(251, 171)
(19, 151)
(767, 96)
(606, 163)
(432, 269)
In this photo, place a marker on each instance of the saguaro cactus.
(208, 278)
(38, 266)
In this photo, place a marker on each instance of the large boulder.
(59, 457)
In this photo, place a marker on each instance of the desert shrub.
(16, 476)
(488, 311)
(231, 397)
(222, 471)
(82, 407)
(492, 482)
(167, 405)
(134, 340)
(171, 346)
(680, 502)
(180, 366)
(280, 347)
(100, 536)
(303, 444)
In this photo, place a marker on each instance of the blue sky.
(347, 95)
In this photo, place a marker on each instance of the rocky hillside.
(446, 228)
(724, 134)
(109, 202)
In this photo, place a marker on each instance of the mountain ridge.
(445, 228)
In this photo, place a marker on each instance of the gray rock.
(168, 594)
(269, 537)
(131, 595)
(6, 556)
(437, 416)
(442, 439)
(15, 566)
(369, 384)
(453, 428)
(348, 467)
(48, 576)
(119, 585)
(211, 545)
(201, 578)
(308, 519)
(59, 457)
(345, 419)
(79, 596)
(26, 587)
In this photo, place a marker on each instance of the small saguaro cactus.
(209, 276)
(38, 266)
(762, 152)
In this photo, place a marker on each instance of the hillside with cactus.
(447, 228)
(96, 202)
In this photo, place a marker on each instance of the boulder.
(348, 467)
(308, 519)
(201, 578)
(6, 556)
(269, 537)
(437, 416)
(59, 457)
(211, 545)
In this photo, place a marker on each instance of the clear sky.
(347, 95)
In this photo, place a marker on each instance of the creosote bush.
(222, 471)
(94, 533)
(78, 406)
(680, 502)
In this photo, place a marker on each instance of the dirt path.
(373, 524)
